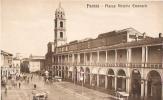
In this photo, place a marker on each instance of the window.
(61, 24)
(61, 34)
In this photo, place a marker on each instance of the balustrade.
(127, 65)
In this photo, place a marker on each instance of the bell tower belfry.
(60, 27)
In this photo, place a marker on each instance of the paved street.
(56, 91)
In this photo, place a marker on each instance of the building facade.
(36, 63)
(118, 61)
(6, 64)
(49, 56)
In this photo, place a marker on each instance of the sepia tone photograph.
(81, 50)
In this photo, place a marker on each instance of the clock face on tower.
(60, 30)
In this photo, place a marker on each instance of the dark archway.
(111, 80)
(59, 71)
(66, 73)
(136, 83)
(81, 74)
(63, 72)
(56, 71)
(54, 68)
(75, 74)
(87, 76)
(121, 80)
(154, 85)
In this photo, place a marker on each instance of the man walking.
(19, 84)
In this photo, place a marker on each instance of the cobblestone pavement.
(56, 91)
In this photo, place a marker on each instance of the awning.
(70, 69)
(95, 70)
(103, 71)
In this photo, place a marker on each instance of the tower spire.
(59, 4)
(60, 28)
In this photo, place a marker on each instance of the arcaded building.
(124, 61)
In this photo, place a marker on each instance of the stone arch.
(110, 79)
(75, 74)
(63, 72)
(154, 85)
(66, 72)
(87, 75)
(94, 76)
(136, 82)
(70, 71)
(81, 74)
(60, 71)
(121, 80)
(56, 71)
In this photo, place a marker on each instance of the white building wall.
(34, 66)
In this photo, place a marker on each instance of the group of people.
(16, 81)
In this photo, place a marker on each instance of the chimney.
(136, 37)
(160, 35)
(144, 34)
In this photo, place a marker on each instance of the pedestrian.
(31, 77)
(6, 90)
(19, 84)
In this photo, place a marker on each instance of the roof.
(59, 9)
(6, 53)
(116, 32)
(37, 57)
(146, 41)
(50, 42)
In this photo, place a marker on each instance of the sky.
(28, 25)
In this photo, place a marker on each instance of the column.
(68, 58)
(162, 91)
(115, 83)
(143, 56)
(78, 58)
(128, 85)
(58, 71)
(98, 56)
(61, 59)
(106, 81)
(90, 79)
(73, 57)
(106, 60)
(98, 80)
(52, 60)
(146, 87)
(83, 75)
(142, 88)
(61, 70)
(115, 56)
(85, 58)
(146, 55)
(129, 56)
(90, 58)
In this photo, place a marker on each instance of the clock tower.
(60, 27)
